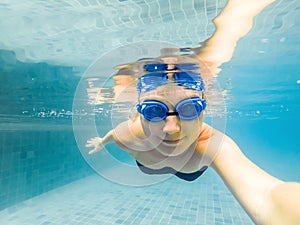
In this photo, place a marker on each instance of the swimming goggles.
(156, 111)
(154, 67)
(189, 79)
(178, 76)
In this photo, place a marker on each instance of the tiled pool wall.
(34, 162)
(38, 151)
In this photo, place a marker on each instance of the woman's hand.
(95, 142)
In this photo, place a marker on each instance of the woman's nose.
(172, 125)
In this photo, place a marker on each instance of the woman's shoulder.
(210, 140)
(129, 135)
(206, 131)
(205, 135)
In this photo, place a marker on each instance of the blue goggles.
(156, 111)
(154, 67)
(178, 76)
(189, 79)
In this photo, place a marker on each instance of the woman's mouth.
(171, 142)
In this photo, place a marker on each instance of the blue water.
(44, 179)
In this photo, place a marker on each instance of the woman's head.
(171, 103)
(174, 86)
(180, 127)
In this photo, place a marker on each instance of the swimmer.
(168, 135)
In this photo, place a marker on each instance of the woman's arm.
(266, 199)
(97, 143)
(285, 204)
(128, 135)
(234, 22)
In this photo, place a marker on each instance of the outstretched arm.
(234, 22)
(266, 199)
(285, 204)
(97, 143)
(128, 135)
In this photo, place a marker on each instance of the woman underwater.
(168, 134)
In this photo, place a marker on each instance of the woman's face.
(171, 136)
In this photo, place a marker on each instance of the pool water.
(46, 50)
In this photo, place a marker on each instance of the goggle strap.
(172, 113)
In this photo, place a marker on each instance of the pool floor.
(94, 200)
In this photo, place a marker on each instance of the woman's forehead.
(169, 94)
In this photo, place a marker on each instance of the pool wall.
(38, 149)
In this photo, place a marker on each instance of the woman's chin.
(171, 149)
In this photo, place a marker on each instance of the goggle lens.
(154, 113)
(187, 109)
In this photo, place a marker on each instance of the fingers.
(93, 151)
(89, 145)
(91, 140)
(94, 142)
